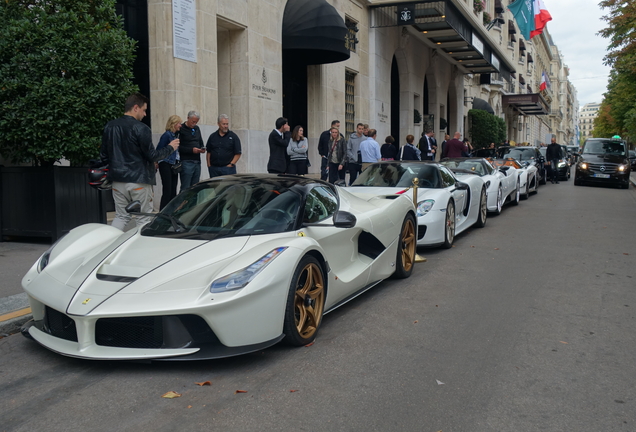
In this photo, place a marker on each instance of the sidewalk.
(15, 260)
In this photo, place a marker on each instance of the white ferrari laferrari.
(503, 184)
(445, 205)
(230, 266)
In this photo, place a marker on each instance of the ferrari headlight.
(241, 278)
(561, 164)
(424, 207)
(583, 165)
(622, 168)
(46, 256)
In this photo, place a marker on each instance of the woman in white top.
(297, 151)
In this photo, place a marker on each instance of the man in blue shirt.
(370, 149)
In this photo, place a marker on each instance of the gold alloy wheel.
(408, 244)
(309, 301)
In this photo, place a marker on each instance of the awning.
(446, 28)
(511, 27)
(499, 8)
(530, 60)
(522, 45)
(529, 88)
(522, 80)
(481, 104)
(527, 104)
(314, 32)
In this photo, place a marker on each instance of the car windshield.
(475, 166)
(601, 147)
(399, 175)
(226, 208)
(521, 153)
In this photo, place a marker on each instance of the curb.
(14, 312)
(13, 325)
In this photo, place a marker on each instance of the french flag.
(544, 82)
(541, 18)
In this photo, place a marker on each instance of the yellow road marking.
(15, 314)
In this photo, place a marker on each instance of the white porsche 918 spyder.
(445, 205)
(502, 184)
(230, 266)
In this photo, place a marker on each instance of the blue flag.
(523, 12)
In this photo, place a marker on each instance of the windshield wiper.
(177, 225)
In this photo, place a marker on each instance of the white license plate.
(602, 175)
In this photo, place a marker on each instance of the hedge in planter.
(66, 70)
(485, 128)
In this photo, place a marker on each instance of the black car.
(603, 161)
(574, 152)
(632, 159)
(563, 165)
(526, 155)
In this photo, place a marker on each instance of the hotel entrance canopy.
(527, 104)
(444, 27)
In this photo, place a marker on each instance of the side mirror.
(134, 207)
(461, 185)
(344, 219)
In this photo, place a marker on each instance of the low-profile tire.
(515, 200)
(449, 226)
(406, 250)
(483, 210)
(305, 302)
(543, 178)
(500, 200)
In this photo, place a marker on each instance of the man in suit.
(428, 145)
(278, 141)
(454, 148)
(323, 148)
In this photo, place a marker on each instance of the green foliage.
(617, 114)
(65, 70)
(485, 128)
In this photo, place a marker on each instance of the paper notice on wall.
(184, 29)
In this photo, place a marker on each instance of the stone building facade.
(588, 114)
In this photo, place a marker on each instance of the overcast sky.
(574, 28)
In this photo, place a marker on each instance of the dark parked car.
(632, 159)
(563, 166)
(526, 155)
(574, 151)
(603, 161)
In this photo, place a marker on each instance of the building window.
(350, 107)
(350, 38)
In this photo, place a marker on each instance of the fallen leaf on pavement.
(415, 322)
(189, 406)
(171, 395)
(204, 383)
(439, 382)
(625, 253)
(240, 391)
(310, 344)
(496, 248)
(293, 391)
(563, 342)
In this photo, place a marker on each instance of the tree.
(485, 128)
(65, 69)
(621, 31)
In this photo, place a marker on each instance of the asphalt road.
(525, 325)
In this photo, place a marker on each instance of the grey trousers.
(124, 194)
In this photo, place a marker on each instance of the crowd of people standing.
(127, 145)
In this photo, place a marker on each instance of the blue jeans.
(191, 174)
(221, 171)
(324, 163)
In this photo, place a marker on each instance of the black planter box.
(48, 201)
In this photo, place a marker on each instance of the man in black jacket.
(190, 149)
(278, 142)
(127, 146)
(553, 153)
(323, 148)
